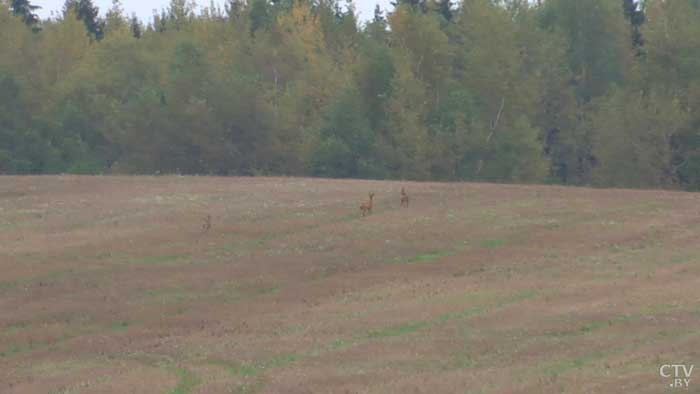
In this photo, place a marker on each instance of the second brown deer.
(366, 207)
(207, 224)
(404, 198)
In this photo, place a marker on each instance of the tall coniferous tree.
(378, 15)
(634, 14)
(88, 12)
(416, 5)
(234, 9)
(160, 21)
(259, 15)
(25, 10)
(136, 26)
(377, 28)
(444, 8)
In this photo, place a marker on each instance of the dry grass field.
(111, 285)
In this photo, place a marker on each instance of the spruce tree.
(234, 9)
(635, 15)
(136, 27)
(87, 12)
(420, 5)
(444, 8)
(378, 15)
(259, 15)
(25, 10)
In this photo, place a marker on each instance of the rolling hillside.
(112, 285)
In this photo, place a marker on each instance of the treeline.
(583, 92)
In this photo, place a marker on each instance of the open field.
(109, 285)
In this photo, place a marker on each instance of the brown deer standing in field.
(366, 207)
(207, 224)
(404, 198)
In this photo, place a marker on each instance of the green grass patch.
(561, 367)
(409, 328)
(225, 293)
(11, 351)
(243, 370)
(493, 243)
(423, 258)
(248, 388)
(273, 236)
(465, 314)
(460, 361)
(25, 348)
(431, 257)
(256, 368)
(571, 365)
(396, 331)
(484, 309)
(51, 277)
(188, 382)
(685, 259)
(340, 344)
(169, 295)
(594, 326)
(120, 326)
(13, 328)
(267, 290)
(9, 285)
(281, 361)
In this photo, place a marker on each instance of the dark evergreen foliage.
(87, 12)
(25, 10)
(635, 15)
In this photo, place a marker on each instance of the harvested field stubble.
(122, 285)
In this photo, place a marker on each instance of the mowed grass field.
(109, 285)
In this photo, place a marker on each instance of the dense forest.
(580, 92)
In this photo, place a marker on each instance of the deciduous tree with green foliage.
(583, 92)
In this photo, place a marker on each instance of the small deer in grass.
(404, 198)
(366, 207)
(207, 224)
